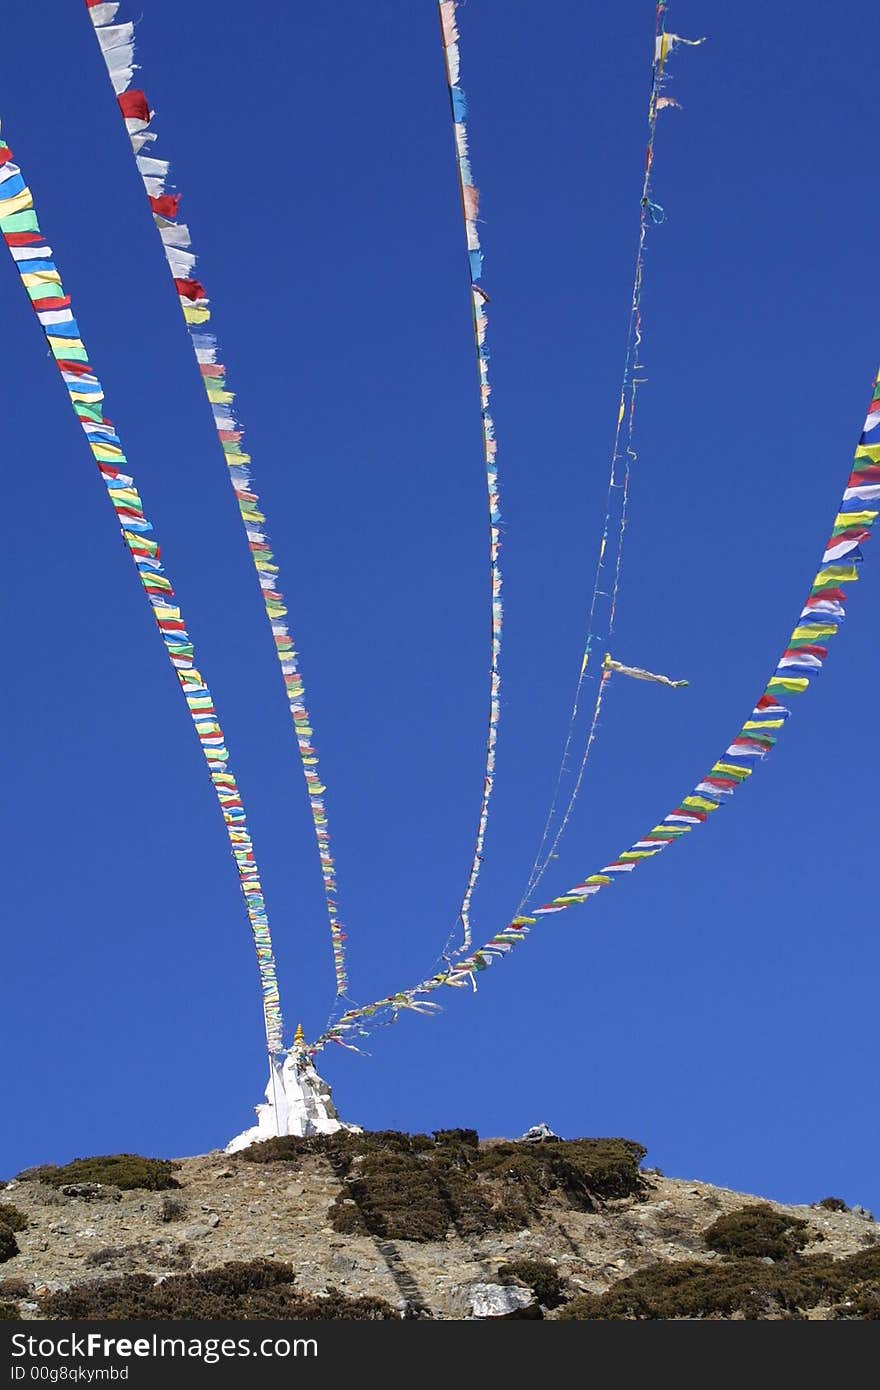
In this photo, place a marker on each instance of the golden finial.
(299, 1040)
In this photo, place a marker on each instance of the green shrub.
(864, 1307)
(8, 1244)
(415, 1187)
(411, 1196)
(126, 1171)
(11, 1217)
(540, 1276)
(586, 1171)
(747, 1287)
(452, 1138)
(260, 1289)
(758, 1231)
(9, 1311)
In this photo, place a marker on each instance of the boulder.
(500, 1301)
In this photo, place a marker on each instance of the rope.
(116, 42)
(42, 283)
(470, 198)
(601, 619)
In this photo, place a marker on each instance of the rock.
(199, 1229)
(537, 1134)
(863, 1213)
(92, 1192)
(500, 1301)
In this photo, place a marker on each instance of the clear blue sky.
(719, 1006)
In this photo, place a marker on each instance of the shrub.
(468, 1138)
(8, 1244)
(140, 1256)
(540, 1276)
(126, 1171)
(9, 1311)
(396, 1197)
(239, 1277)
(11, 1217)
(414, 1187)
(14, 1288)
(747, 1287)
(585, 1171)
(172, 1209)
(833, 1204)
(260, 1289)
(105, 1255)
(758, 1231)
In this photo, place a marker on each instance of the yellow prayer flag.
(19, 202)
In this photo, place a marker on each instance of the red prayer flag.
(76, 368)
(166, 205)
(834, 595)
(821, 652)
(190, 289)
(134, 106)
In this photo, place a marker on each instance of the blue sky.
(718, 1006)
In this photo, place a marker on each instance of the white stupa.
(298, 1101)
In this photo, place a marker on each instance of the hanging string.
(602, 615)
(116, 42)
(470, 201)
(801, 662)
(34, 261)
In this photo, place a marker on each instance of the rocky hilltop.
(392, 1225)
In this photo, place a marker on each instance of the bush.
(8, 1245)
(11, 1217)
(14, 1288)
(540, 1276)
(414, 1187)
(395, 1197)
(833, 1204)
(139, 1256)
(468, 1138)
(172, 1209)
(126, 1171)
(260, 1289)
(758, 1231)
(9, 1311)
(747, 1287)
(586, 1171)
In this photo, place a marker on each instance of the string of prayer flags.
(116, 42)
(470, 203)
(801, 661)
(41, 279)
(606, 591)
